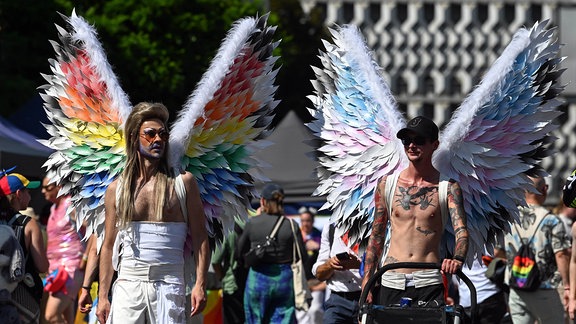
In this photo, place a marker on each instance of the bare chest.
(148, 197)
(418, 204)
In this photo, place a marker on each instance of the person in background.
(232, 274)
(65, 251)
(490, 297)
(551, 246)
(569, 200)
(269, 293)
(85, 303)
(338, 266)
(14, 196)
(566, 214)
(312, 237)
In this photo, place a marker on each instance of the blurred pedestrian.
(65, 251)
(14, 196)
(312, 237)
(233, 276)
(269, 293)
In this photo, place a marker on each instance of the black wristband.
(459, 258)
(87, 287)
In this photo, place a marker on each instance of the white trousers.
(140, 295)
(135, 302)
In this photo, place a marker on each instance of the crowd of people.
(151, 210)
(53, 252)
(144, 256)
(409, 202)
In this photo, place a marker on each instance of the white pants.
(315, 314)
(141, 295)
(135, 302)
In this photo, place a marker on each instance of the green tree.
(159, 49)
(301, 39)
(24, 49)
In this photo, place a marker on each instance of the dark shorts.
(429, 296)
(490, 311)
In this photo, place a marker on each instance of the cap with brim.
(272, 191)
(13, 182)
(420, 125)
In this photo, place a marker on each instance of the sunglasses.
(418, 140)
(150, 134)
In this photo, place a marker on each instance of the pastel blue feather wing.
(356, 119)
(499, 135)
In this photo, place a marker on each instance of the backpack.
(11, 259)
(525, 274)
(28, 293)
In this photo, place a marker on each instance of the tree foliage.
(24, 49)
(159, 49)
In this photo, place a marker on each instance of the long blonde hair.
(127, 182)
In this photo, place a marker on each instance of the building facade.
(433, 54)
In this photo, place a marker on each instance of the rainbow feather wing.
(356, 119)
(224, 120)
(500, 133)
(86, 106)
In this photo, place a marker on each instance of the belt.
(350, 295)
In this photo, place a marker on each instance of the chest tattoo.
(414, 196)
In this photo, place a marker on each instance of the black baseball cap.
(272, 191)
(422, 126)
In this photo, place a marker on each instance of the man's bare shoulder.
(112, 187)
(382, 181)
(453, 185)
(187, 176)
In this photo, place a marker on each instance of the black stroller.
(370, 313)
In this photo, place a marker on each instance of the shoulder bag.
(256, 254)
(302, 295)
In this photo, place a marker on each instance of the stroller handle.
(418, 265)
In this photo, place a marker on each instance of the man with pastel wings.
(494, 141)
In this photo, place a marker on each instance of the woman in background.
(269, 292)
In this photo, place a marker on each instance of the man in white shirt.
(491, 301)
(342, 277)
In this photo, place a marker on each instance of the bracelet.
(87, 287)
(459, 258)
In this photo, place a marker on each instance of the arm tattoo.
(376, 243)
(458, 217)
(461, 246)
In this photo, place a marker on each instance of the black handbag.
(256, 254)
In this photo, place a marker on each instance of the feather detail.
(221, 125)
(356, 119)
(86, 106)
(500, 133)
